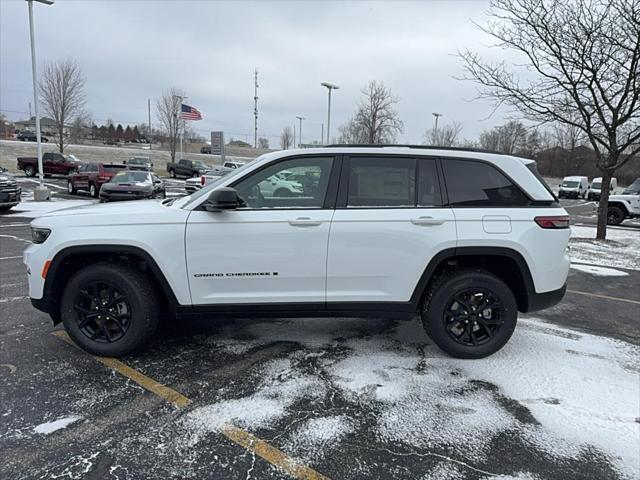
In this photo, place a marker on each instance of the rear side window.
(428, 184)
(92, 167)
(382, 182)
(474, 184)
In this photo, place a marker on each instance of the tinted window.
(428, 185)
(130, 176)
(382, 182)
(92, 167)
(472, 184)
(295, 183)
(113, 168)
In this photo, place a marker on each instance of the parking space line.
(12, 299)
(10, 258)
(237, 435)
(606, 297)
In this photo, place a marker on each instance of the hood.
(127, 187)
(137, 212)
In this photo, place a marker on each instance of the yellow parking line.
(617, 299)
(237, 435)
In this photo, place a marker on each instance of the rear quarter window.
(476, 184)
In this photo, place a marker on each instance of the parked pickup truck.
(187, 168)
(53, 163)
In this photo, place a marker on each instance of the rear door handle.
(427, 221)
(304, 222)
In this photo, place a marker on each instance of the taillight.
(559, 221)
(202, 180)
(104, 178)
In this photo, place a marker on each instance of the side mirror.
(124, 162)
(224, 198)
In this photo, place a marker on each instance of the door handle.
(304, 222)
(427, 221)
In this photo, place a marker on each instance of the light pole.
(300, 131)
(329, 87)
(40, 193)
(181, 98)
(435, 129)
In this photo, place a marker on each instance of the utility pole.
(149, 113)
(294, 134)
(300, 132)
(178, 119)
(322, 135)
(255, 109)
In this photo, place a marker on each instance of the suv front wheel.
(469, 313)
(109, 309)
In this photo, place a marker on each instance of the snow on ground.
(621, 248)
(598, 271)
(50, 427)
(564, 393)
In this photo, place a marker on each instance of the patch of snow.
(599, 271)
(621, 248)
(315, 436)
(50, 427)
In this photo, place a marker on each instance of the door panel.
(378, 255)
(257, 256)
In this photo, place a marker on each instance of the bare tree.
(168, 114)
(263, 143)
(375, 120)
(62, 95)
(507, 138)
(286, 138)
(582, 69)
(444, 136)
(568, 136)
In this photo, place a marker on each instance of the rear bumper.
(540, 301)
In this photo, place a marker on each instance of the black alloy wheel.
(102, 312)
(473, 316)
(615, 216)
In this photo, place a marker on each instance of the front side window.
(295, 183)
(472, 184)
(381, 182)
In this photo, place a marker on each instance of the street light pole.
(300, 131)
(181, 98)
(329, 87)
(40, 193)
(435, 130)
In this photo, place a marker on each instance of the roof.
(44, 122)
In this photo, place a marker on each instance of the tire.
(137, 312)
(70, 188)
(441, 313)
(93, 190)
(615, 216)
(5, 208)
(30, 171)
(172, 173)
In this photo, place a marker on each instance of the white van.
(596, 185)
(573, 187)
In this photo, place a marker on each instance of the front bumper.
(123, 196)
(10, 197)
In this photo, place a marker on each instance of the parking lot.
(330, 398)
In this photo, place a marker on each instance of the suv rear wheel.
(615, 215)
(110, 309)
(93, 190)
(70, 187)
(469, 313)
(30, 171)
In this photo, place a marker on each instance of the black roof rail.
(423, 147)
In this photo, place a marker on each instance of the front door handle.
(427, 221)
(304, 222)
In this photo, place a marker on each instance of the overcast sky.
(132, 50)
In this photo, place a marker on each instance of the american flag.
(190, 113)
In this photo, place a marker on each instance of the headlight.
(39, 235)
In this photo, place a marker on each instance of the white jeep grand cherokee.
(463, 238)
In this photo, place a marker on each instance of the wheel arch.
(70, 260)
(507, 264)
(619, 204)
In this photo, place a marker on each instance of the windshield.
(570, 184)
(138, 161)
(131, 177)
(633, 189)
(200, 164)
(114, 168)
(596, 185)
(208, 188)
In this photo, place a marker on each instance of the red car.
(91, 176)
(53, 164)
